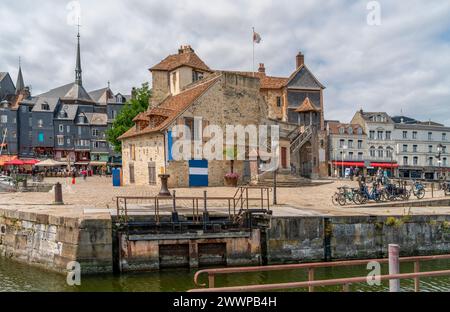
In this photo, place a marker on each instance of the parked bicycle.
(418, 189)
(344, 196)
(364, 194)
(445, 186)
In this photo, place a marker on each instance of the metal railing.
(312, 283)
(234, 206)
(301, 139)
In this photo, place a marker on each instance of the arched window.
(389, 152)
(380, 152)
(372, 151)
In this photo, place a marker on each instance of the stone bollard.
(58, 194)
(394, 267)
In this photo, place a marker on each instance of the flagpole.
(253, 41)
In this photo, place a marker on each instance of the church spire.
(19, 84)
(78, 79)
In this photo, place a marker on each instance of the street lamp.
(440, 149)
(344, 147)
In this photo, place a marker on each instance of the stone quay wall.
(51, 242)
(303, 239)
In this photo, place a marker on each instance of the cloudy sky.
(403, 64)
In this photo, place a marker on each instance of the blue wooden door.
(198, 173)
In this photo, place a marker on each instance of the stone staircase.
(284, 179)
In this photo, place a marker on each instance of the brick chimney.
(261, 68)
(185, 49)
(300, 59)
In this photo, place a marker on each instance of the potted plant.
(231, 179)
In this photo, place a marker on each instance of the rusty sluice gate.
(178, 214)
(177, 231)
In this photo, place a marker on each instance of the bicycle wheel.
(334, 199)
(341, 199)
(420, 194)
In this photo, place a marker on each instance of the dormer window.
(81, 119)
(45, 106)
(63, 114)
(196, 75)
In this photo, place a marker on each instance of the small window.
(350, 130)
(61, 128)
(380, 135)
(131, 173)
(430, 148)
(278, 101)
(4, 119)
(68, 128)
(151, 173)
(60, 140)
(40, 137)
(79, 130)
(360, 144)
(430, 136)
(405, 148)
(405, 161)
(359, 131)
(40, 123)
(415, 161)
(415, 148)
(444, 136)
(350, 143)
(388, 135)
(372, 151)
(380, 152)
(68, 141)
(372, 135)
(95, 132)
(414, 135)
(132, 152)
(405, 135)
(341, 130)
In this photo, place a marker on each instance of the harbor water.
(21, 277)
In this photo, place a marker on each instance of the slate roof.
(307, 80)
(97, 119)
(70, 91)
(371, 117)
(307, 106)
(172, 107)
(97, 94)
(185, 57)
(52, 102)
(3, 75)
(69, 110)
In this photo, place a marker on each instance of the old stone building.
(184, 87)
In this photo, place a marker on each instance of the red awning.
(349, 163)
(384, 165)
(14, 162)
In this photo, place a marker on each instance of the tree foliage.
(124, 120)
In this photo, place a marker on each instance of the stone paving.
(95, 197)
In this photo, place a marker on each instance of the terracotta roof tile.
(335, 126)
(185, 58)
(172, 106)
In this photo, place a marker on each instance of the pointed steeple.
(19, 84)
(78, 79)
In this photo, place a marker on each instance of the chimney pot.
(261, 68)
(300, 59)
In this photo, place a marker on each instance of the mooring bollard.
(174, 208)
(58, 194)
(394, 267)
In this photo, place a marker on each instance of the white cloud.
(402, 64)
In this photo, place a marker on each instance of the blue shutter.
(169, 145)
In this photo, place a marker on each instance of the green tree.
(124, 121)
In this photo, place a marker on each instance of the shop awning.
(349, 163)
(5, 158)
(384, 165)
(98, 163)
(14, 162)
(31, 162)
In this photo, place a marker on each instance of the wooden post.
(210, 280)
(310, 279)
(416, 279)
(394, 267)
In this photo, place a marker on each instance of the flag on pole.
(256, 37)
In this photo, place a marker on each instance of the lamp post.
(440, 149)
(344, 147)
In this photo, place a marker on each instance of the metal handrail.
(241, 202)
(346, 282)
(310, 267)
